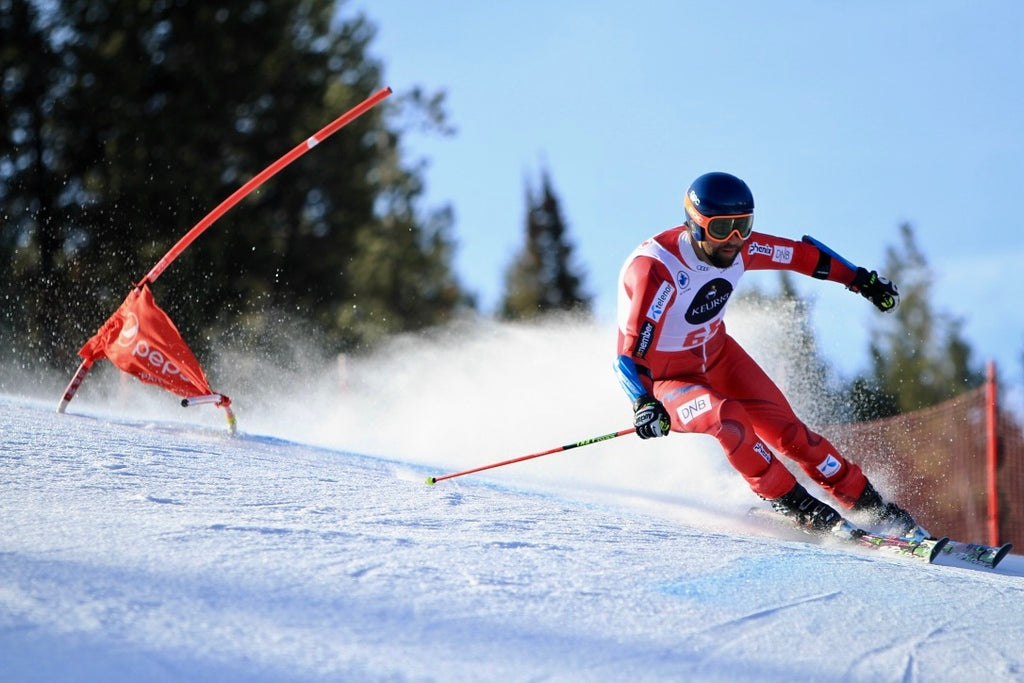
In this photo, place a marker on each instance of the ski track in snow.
(148, 550)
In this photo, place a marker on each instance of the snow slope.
(139, 542)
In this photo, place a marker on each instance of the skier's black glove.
(878, 290)
(650, 418)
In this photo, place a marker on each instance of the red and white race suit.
(672, 343)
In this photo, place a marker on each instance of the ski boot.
(813, 516)
(889, 517)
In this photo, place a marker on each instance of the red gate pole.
(991, 415)
(257, 180)
(76, 381)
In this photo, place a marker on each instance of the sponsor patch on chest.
(708, 301)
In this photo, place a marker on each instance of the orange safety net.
(934, 462)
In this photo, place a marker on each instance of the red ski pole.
(586, 442)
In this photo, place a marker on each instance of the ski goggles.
(721, 228)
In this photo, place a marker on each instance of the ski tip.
(937, 548)
(431, 481)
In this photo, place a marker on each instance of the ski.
(926, 550)
(976, 553)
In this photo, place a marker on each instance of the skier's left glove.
(650, 418)
(878, 290)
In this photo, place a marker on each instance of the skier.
(684, 373)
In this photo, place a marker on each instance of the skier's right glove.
(650, 418)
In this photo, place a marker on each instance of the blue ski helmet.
(718, 194)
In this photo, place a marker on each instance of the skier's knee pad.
(747, 453)
(732, 428)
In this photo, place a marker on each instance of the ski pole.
(586, 442)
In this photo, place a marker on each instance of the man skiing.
(684, 373)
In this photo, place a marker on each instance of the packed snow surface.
(141, 543)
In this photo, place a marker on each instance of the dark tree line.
(543, 278)
(124, 123)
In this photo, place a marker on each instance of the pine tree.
(542, 278)
(33, 225)
(919, 355)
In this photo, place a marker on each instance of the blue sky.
(845, 118)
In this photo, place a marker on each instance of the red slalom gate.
(121, 328)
